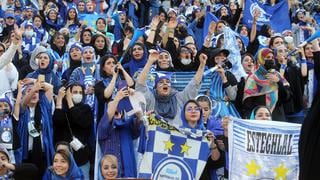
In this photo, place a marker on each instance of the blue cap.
(160, 76)
(9, 15)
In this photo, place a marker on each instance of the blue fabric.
(47, 133)
(132, 15)
(277, 16)
(220, 107)
(207, 20)
(215, 125)
(117, 138)
(197, 33)
(73, 173)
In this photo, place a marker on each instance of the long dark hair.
(103, 61)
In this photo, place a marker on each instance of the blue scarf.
(217, 94)
(47, 133)
(73, 173)
(166, 106)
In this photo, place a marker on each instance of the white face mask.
(28, 33)
(77, 98)
(288, 39)
(185, 61)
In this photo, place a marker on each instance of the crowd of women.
(64, 91)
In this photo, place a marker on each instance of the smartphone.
(41, 78)
(122, 84)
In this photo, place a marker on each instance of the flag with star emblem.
(172, 152)
(263, 149)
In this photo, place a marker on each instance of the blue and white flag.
(276, 16)
(263, 149)
(173, 153)
(234, 57)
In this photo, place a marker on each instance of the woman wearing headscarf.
(223, 90)
(73, 122)
(266, 87)
(72, 21)
(101, 45)
(58, 45)
(137, 58)
(164, 63)
(42, 64)
(191, 116)
(74, 60)
(111, 73)
(116, 133)
(63, 167)
(35, 127)
(86, 74)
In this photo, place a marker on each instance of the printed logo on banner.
(172, 168)
(264, 16)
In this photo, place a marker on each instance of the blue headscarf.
(50, 76)
(134, 65)
(184, 120)
(46, 131)
(74, 172)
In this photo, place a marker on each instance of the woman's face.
(277, 42)
(248, 64)
(224, 11)
(52, 15)
(137, 52)
(109, 170)
(3, 158)
(192, 113)
(10, 21)
(60, 165)
(193, 49)
(109, 65)
(162, 17)
(282, 54)
(99, 43)
(75, 54)
(35, 97)
(263, 114)
(37, 22)
(122, 17)
(101, 25)
(239, 42)
(87, 37)
(176, 42)
(88, 55)
(59, 41)
(220, 27)
(4, 106)
(309, 51)
(72, 14)
(206, 110)
(164, 60)
(185, 53)
(244, 31)
(233, 6)
(301, 16)
(220, 58)
(81, 6)
(43, 60)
